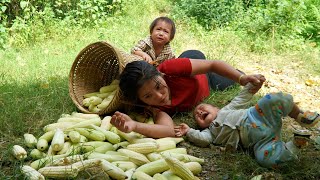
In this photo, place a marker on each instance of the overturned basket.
(97, 65)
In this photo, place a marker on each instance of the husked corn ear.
(92, 145)
(178, 168)
(66, 160)
(122, 144)
(31, 173)
(70, 119)
(42, 144)
(90, 94)
(143, 140)
(106, 123)
(159, 176)
(57, 140)
(108, 157)
(30, 140)
(82, 165)
(143, 148)
(103, 148)
(176, 150)
(84, 116)
(165, 145)
(177, 140)
(108, 88)
(46, 160)
(86, 123)
(59, 171)
(184, 157)
(154, 167)
(19, 152)
(112, 170)
(124, 165)
(61, 125)
(110, 136)
(141, 175)
(129, 173)
(194, 167)
(130, 137)
(137, 158)
(154, 156)
(36, 154)
(47, 136)
(170, 175)
(91, 134)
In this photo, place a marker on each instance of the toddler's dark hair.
(167, 20)
(134, 75)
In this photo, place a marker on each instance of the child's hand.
(146, 57)
(256, 80)
(181, 129)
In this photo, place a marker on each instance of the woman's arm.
(163, 126)
(224, 69)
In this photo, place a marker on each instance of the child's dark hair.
(167, 20)
(134, 75)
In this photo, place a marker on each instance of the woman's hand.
(181, 130)
(256, 80)
(123, 122)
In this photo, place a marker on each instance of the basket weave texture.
(97, 65)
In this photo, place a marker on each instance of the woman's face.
(155, 92)
(205, 114)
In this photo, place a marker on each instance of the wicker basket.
(97, 65)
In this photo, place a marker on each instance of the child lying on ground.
(257, 127)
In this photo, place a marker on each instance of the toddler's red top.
(186, 90)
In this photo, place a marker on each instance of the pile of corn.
(80, 141)
(97, 101)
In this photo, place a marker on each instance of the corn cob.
(61, 125)
(154, 167)
(184, 157)
(159, 177)
(59, 171)
(141, 175)
(165, 145)
(110, 136)
(143, 148)
(84, 116)
(124, 165)
(74, 136)
(106, 101)
(91, 134)
(112, 170)
(65, 148)
(82, 165)
(86, 123)
(19, 152)
(194, 167)
(178, 168)
(154, 156)
(177, 140)
(71, 119)
(143, 140)
(122, 144)
(103, 95)
(66, 160)
(47, 136)
(109, 158)
(30, 140)
(137, 158)
(57, 140)
(114, 153)
(170, 175)
(176, 150)
(36, 154)
(106, 123)
(92, 145)
(50, 151)
(90, 94)
(42, 145)
(31, 173)
(129, 173)
(44, 161)
(109, 88)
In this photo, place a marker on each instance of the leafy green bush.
(25, 19)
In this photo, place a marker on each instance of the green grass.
(34, 77)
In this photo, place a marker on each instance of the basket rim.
(71, 76)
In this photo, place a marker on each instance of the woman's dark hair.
(134, 75)
(167, 20)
